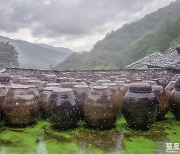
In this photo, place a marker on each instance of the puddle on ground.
(42, 138)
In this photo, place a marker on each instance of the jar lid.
(109, 84)
(149, 82)
(177, 84)
(100, 87)
(157, 88)
(140, 87)
(81, 86)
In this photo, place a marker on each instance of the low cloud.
(71, 19)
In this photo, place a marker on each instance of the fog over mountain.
(32, 55)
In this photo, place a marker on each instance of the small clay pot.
(53, 85)
(20, 106)
(163, 103)
(140, 106)
(23, 81)
(64, 108)
(99, 108)
(50, 78)
(4, 79)
(174, 100)
(63, 79)
(65, 84)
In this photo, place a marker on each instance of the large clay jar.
(64, 108)
(50, 77)
(44, 102)
(99, 108)
(82, 92)
(174, 100)
(169, 88)
(118, 95)
(4, 79)
(20, 106)
(140, 106)
(163, 103)
(3, 92)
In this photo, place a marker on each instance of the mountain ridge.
(116, 50)
(31, 55)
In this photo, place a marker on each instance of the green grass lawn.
(41, 138)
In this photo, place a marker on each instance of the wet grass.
(42, 138)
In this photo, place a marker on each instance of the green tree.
(8, 55)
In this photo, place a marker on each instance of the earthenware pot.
(169, 88)
(163, 103)
(3, 92)
(44, 102)
(118, 95)
(63, 79)
(99, 108)
(20, 106)
(50, 77)
(64, 108)
(82, 92)
(65, 84)
(174, 100)
(4, 79)
(23, 81)
(140, 106)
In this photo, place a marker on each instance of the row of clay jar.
(141, 103)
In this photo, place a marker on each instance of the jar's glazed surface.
(64, 108)
(174, 100)
(20, 106)
(99, 108)
(140, 106)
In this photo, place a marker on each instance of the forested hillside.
(157, 31)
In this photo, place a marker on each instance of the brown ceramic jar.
(20, 106)
(64, 108)
(3, 92)
(99, 108)
(82, 92)
(174, 100)
(140, 106)
(169, 88)
(50, 78)
(44, 103)
(163, 103)
(63, 79)
(23, 81)
(118, 95)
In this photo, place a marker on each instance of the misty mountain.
(155, 32)
(37, 56)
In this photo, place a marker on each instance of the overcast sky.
(75, 24)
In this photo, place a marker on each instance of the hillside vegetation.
(157, 31)
(8, 55)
